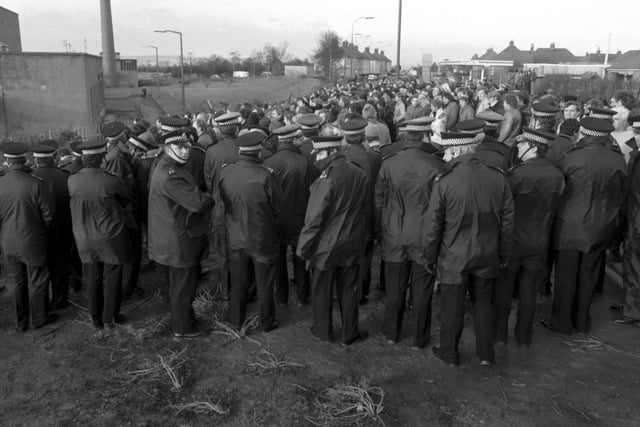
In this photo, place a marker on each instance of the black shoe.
(625, 321)
(50, 319)
(363, 301)
(60, 305)
(486, 363)
(119, 319)
(361, 336)
(616, 307)
(22, 328)
(436, 353)
(270, 328)
(313, 334)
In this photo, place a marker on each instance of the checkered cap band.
(14, 156)
(607, 117)
(472, 131)
(168, 128)
(289, 135)
(457, 141)
(635, 125)
(325, 145)
(178, 139)
(353, 132)
(590, 132)
(542, 113)
(94, 151)
(418, 128)
(535, 138)
(250, 148)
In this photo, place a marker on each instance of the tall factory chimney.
(108, 47)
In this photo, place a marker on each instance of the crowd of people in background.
(462, 189)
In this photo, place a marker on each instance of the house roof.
(627, 61)
(383, 57)
(489, 55)
(552, 55)
(512, 53)
(368, 55)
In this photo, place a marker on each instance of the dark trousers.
(364, 271)
(103, 283)
(32, 282)
(241, 266)
(344, 281)
(397, 281)
(382, 280)
(528, 280)
(182, 292)
(300, 273)
(131, 271)
(452, 318)
(576, 277)
(59, 271)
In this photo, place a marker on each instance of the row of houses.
(355, 62)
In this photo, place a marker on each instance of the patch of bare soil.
(65, 374)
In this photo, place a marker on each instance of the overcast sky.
(446, 29)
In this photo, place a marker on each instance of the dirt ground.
(64, 374)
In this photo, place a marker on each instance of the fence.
(585, 87)
(63, 137)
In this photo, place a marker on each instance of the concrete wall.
(50, 92)
(10, 30)
(127, 72)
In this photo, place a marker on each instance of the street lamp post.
(157, 68)
(352, 27)
(181, 64)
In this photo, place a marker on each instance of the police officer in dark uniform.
(331, 239)
(217, 155)
(76, 162)
(537, 186)
(490, 151)
(402, 193)
(310, 124)
(120, 162)
(587, 216)
(54, 180)
(468, 233)
(295, 174)
(253, 201)
(353, 131)
(25, 220)
(177, 227)
(98, 203)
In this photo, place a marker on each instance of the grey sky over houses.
(447, 30)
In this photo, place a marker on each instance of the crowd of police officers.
(468, 215)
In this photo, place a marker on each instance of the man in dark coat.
(468, 233)
(217, 155)
(489, 151)
(310, 125)
(537, 186)
(295, 174)
(54, 180)
(630, 314)
(119, 162)
(98, 203)
(402, 193)
(370, 162)
(331, 239)
(253, 201)
(587, 216)
(25, 220)
(178, 227)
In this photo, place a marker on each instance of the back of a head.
(569, 127)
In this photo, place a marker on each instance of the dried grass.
(234, 334)
(349, 403)
(201, 408)
(594, 343)
(153, 370)
(152, 327)
(208, 307)
(268, 363)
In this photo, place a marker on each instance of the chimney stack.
(531, 49)
(511, 43)
(552, 46)
(108, 47)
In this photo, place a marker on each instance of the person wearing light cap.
(372, 138)
(295, 174)
(253, 202)
(630, 308)
(310, 126)
(536, 185)
(177, 229)
(402, 192)
(468, 233)
(331, 239)
(98, 201)
(120, 162)
(354, 131)
(54, 180)
(73, 164)
(543, 116)
(489, 151)
(217, 155)
(25, 221)
(587, 216)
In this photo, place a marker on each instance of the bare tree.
(272, 54)
(328, 53)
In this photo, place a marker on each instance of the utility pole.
(181, 63)
(399, 36)
(157, 68)
(606, 57)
